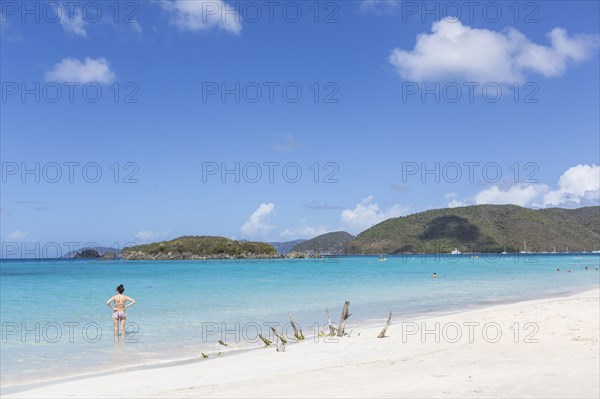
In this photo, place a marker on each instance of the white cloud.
(457, 204)
(136, 26)
(579, 184)
(89, 71)
(17, 235)
(303, 230)
(288, 144)
(5, 31)
(73, 22)
(520, 194)
(454, 50)
(202, 15)
(146, 236)
(378, 6)
(258, 224)
(367, 214)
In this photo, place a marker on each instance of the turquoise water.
(178, 299)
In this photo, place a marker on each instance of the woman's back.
(119, 301)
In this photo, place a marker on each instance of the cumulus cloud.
(457, 204)
(73, 22)
(578, 185)
(202, 15)
(17, 235)
(258, 225)
(520, 194)
(146, 236)
(88, 71)
(303, 230)
(366, 214)
(453, 50)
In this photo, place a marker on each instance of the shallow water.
(55, 322)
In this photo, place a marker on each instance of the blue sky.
(362, 120)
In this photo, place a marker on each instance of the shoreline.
(307, 257)
(358, 325)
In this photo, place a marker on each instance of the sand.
(563, 363)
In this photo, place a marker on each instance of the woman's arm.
(129, 304)
(109, 301)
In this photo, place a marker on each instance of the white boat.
(525, 251)
(382, 258)
(554, 251)
(455, 252)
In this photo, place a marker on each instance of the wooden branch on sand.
(279, 344)
(283, 340)
(223, 343)
(330, 324)
(265, 340)
(387, 325)
(345, 315)
(297, 329)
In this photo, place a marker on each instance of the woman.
(118, 308)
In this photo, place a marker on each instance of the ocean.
(55, 323)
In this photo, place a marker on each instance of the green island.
(470, 229)
(484, 228)
(199, 248)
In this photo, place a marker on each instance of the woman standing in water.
(118, 308)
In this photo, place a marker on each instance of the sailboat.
(382, 258)
(554, 251)
(595, 251)
(455, 252)
(504, 251)
(525, 251)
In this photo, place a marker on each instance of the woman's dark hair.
(120, 289)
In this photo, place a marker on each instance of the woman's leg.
(123, 328)
(116, 325)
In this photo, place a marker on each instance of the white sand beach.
(563, 363)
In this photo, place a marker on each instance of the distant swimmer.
(570, 270)
(434, 275)
(119, 305)
(586, 268)
(557, 270)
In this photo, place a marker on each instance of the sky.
(132, 122)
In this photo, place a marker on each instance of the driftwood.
(283, 340)
(279, 344)
(345, 315)
(330, 324)
(387, 325)
(204, 355)
(297, 329)
(223, 343)
(265, 340)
